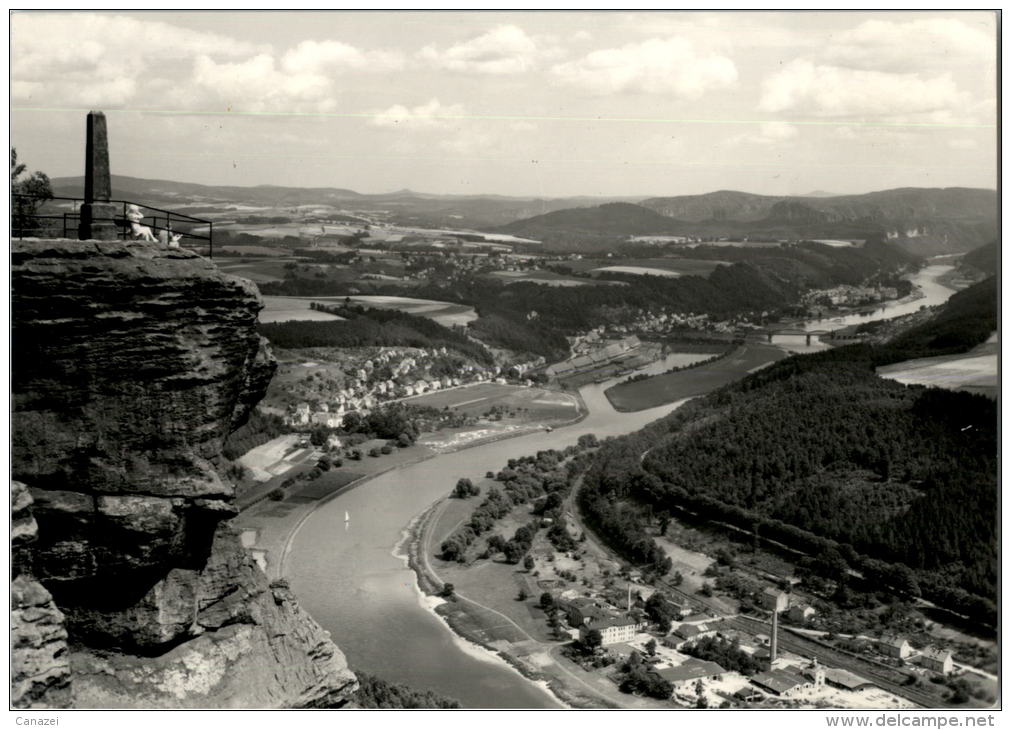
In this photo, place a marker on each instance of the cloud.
(257, 85)
(804, 87)
(506, 49)
(114, 61)
(905, 46)
(433, 115)
(94, 59)
(318, 57)
(655, 66)
(769, 133)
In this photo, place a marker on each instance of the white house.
(937, 660)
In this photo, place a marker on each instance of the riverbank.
(269, 527)
(459, 615)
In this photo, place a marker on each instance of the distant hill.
(925, 221)
(405, 206)
(612, 219)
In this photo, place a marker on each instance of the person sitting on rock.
(138, 232)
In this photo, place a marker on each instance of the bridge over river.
(770, 333)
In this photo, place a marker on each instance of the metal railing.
(30, 213)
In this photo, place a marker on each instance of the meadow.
(662, 389)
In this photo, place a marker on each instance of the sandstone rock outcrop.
(40, 670)
(131, 365)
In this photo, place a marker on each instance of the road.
(425, 551)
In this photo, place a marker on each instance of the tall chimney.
(775, 637)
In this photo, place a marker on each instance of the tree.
(547, 602)
(528, 562)
(593, 639)
(522, 595)
(36, 190)
(465, 488)
(651, 647)
(318, 436)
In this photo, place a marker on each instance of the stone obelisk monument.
(96, 211)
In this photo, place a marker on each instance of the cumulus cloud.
(432, 115)
(916, 44)
(101, 59)
(655, 66)
(317, 57)
(832, 91)
(257, 85)
(768, 133)
(506, 49)
(110, 61)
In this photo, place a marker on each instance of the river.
(925, 279)
(349, 578)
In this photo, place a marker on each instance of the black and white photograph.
(504, 360)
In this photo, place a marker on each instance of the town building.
(687, 634)
(773, 599)
(613, 629)
(844, 679)
(696, 618)
(580, 611)
(937, 660)
(800, 613)
(894, 646)
(684, 676)
(781, 682)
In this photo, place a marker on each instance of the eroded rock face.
(250, 645)
(40, 670)
(131, 365)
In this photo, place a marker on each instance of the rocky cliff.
(131, 365)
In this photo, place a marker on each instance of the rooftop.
(778, 680)
(690, 669)
(606, 622)
(846, 679)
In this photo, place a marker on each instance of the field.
(660, 266)
(259, 272)
(289, 309)
(672, 387)
(975, 371)
(640, 270)
(548, 278)
(445, 313)
(537, 404)
(254, 251)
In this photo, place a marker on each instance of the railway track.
(884, 677)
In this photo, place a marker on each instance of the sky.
(524, 103)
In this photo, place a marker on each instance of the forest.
(371, 327)
(259, 429)
(819, 453)
(376, 693)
